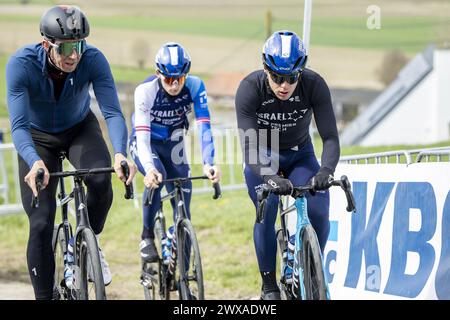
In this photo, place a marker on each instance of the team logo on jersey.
(203, 97)
(143, 107)
(268, 102)
(296, 115)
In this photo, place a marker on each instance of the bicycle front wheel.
(315, 285)
(91, 282)
(189, 263)
(284, 288)
(60, 290)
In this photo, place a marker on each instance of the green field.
(410, 34)
(3, 110)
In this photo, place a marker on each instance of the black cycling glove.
(321, 180)
(279, 185)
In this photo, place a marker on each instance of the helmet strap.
(51, 62)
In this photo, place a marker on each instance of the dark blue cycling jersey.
(32, 104)
(259, 110)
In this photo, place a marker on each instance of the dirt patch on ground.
(15, 285)
(15, 291)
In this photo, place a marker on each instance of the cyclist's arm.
(143, 103)
(108, 101)
(326, 125)
(203, 120)
(247, 100)
(18, 108)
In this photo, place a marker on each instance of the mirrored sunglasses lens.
(279, 79)
(291, 79)
(66, 48)
(171, 80)
(276, 78)
(168, 80)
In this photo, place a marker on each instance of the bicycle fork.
(303, 222)
(298, 272)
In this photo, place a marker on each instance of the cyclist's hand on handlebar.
(321, 180)
(118, 158)
(279, 185)
(213, 177)
(30, 178)
(153, 178)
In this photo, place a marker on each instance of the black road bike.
(184, 271)
(87, 271)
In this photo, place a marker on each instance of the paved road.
(16, 291)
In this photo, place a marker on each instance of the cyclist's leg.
(263, 233)
(302, 170)
(149, 212)
(88, 150)
(39, 249)
(176, 168)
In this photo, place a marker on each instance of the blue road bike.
(307, 280)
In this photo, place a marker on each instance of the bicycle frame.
(167, 273)
(82, 218)
(178, 196)
(303, 222)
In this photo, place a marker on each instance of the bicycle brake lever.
(217, 191)
(129, 193)
(346, 186)
(149, 198)
(260, 211)
(38, 180)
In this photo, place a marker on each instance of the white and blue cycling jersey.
(158, 115)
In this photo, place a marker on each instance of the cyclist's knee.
(99, 184)
(41, 229)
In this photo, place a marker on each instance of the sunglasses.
(280, 78)
(66, 48)
(171, 80)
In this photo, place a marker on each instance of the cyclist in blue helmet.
(162, 104)
(278, 103)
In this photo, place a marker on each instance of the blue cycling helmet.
(172, 60)
(284, 53)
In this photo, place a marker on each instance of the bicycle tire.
(60, 290)
(284, 289)
(310, 258)
(155, 282)
(189, 263)
(88, 257)
(148, 281)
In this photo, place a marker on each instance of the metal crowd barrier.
(401, 156)
(9, 185)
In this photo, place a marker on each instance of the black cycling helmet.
(64, 23)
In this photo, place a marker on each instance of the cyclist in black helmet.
(276, 105)
(49, 109)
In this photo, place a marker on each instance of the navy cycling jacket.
(31, 101)
(258, 108)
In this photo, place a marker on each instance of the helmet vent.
(297, 63)
(60, 25)
(272, 59)
(83, 25)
